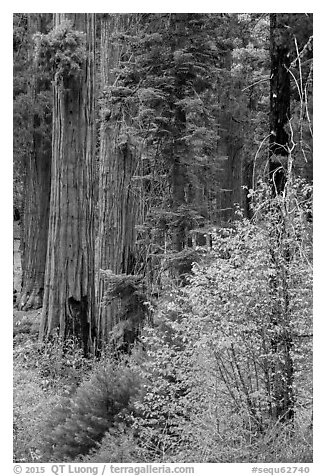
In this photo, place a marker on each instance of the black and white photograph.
(162, 241)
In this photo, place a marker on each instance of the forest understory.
(44, 382)
(172, 399)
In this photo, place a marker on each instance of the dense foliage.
(61, 51)
(201, 385)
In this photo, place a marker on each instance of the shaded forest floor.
(42, 380)
(45, 378)
(30, 392)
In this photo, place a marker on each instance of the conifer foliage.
(167, 84)
(80, 422)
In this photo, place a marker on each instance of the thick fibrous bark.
(36, 220)
(69, 280)
(35, 215)
(117, 196)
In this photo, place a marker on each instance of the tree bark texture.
(230, 150)
(282, 375)
(118, 198)
(69, 280)
(280, 88)
(35, 215)
(232, 175)
(280, 83)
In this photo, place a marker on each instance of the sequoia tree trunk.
(35, 215)
(68, 304)
(117, 194)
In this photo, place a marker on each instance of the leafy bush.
(41, 376)
(162, 412)
(119, 445)
(228, 349)
(57, 364)
(62, 363)
(204, 385)
(31, 403)
(24, 326)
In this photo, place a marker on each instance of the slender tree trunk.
(69, 279)
(279, 99)
(281, 343)
(118, 206)
(178, 182)
(35, 215)
(282, 377)
(180, 153)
